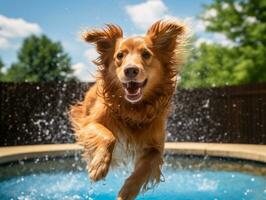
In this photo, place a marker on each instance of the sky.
(64, 20)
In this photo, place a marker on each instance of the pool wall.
(239, 151)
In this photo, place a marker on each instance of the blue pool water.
(185, 179)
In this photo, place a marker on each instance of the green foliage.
(40, 59)
(244, 23)
(1, 69)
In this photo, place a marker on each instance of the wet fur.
(105, 122)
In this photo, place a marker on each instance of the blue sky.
(62, 20)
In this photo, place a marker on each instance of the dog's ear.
(165, 35)
(104, 40)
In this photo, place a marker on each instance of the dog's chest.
(123, 153)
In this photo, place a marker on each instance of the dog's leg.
(98, 142)
(147, 170)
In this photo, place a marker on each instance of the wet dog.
(125, 111)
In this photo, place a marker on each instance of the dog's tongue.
(132, 87)
(133, 91)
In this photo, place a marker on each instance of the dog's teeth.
(128, 85)
(127, 91)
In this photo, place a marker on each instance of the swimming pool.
(185, 178)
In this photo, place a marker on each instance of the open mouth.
(134, 90)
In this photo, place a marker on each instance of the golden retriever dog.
(124, 113)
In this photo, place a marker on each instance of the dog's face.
(137, 64)
(136, 67)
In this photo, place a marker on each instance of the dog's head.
(138, 64)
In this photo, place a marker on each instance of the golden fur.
(106, 123)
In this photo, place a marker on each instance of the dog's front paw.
(126, 196)
(129, 190)
(99, 165)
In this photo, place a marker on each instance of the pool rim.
(239, 151)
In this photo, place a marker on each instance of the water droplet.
(206, 105)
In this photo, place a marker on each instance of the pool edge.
(239, 151)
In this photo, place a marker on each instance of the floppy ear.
(166, 35)
(104, 40)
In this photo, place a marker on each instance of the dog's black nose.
(131, 72)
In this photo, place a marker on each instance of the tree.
(40, 59)
(209, 66)
(244, 23)
(1, 69)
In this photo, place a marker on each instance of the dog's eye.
(119, 56)
(146, 55)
